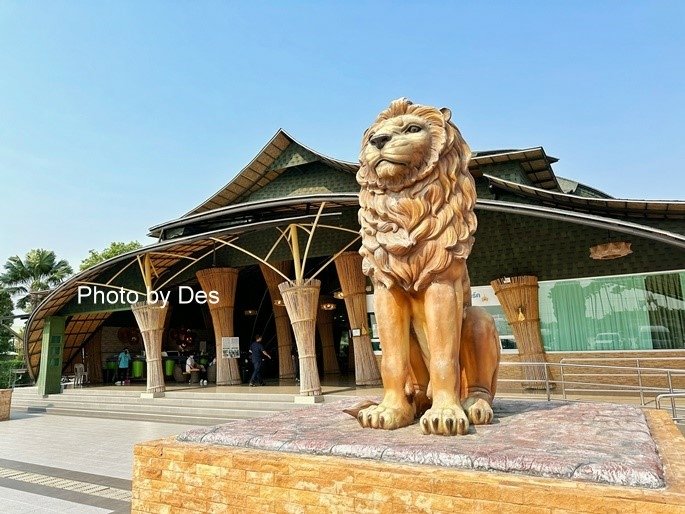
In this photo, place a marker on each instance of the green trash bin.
(111, 369)
(137, 368)
(169, 367)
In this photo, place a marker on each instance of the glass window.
(636, 312)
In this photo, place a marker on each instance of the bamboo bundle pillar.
(324, 323)
(353, 285)
(301, 299)
(519, 299)
(151, 319)
(224, 281)
(286, 369)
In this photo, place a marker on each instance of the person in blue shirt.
(124, 359)
(257, 350)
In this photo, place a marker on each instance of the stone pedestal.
(536, 457)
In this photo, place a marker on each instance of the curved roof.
(264, 168)
(269, 163)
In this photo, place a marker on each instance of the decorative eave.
(287, 206)
(658, 209)
(534, 161)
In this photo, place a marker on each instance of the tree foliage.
(38, 271)
(114, 249)
(6, 308)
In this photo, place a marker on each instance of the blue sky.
(117, 115)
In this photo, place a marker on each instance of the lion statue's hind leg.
(479, 362)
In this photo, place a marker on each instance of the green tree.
(6, 308)
(38, 271)
(114, 249)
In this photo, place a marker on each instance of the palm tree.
(39, 271)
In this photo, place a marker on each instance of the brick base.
(170, 476)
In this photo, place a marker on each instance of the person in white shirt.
(191, 365)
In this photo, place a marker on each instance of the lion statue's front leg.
(475, 377)
(393, 315)
(437, 320)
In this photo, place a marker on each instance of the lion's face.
(398, 146)
(399, 150)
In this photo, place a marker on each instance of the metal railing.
(674, 411)
(579, 377)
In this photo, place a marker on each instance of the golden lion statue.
(440, 355)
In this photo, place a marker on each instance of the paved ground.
(52, 464)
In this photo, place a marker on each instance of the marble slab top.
(599, 442)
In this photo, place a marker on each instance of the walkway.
(52, 464)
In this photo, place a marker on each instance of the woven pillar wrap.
(519, 299)
(324, 323)
(301, 300)
(284, 334)
(353, 285)
(151, 319)
(224, 281)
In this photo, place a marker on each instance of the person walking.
(257, 350)
(124, 359)
(295, 356)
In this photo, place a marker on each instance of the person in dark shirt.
(257, 350)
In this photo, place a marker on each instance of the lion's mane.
(414, 227)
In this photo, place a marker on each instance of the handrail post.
(670, 390)
(547, 381)
(639, 381)
(563, 384)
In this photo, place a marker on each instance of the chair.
(17, 375)
(80, 375)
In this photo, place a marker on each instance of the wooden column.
(284, 335)
(224, 281)
(151, 319)
(519, 299)
(324, 323)
(353, 286)
(301, 299)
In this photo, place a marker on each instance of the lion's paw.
(388, 418)
(449, 420)
(478, 410)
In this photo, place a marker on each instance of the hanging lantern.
(328, 306)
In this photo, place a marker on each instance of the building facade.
(530, 223)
